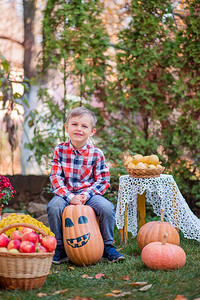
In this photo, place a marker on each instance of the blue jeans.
(103, 208)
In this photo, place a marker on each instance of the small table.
(162, 193)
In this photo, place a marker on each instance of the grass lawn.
(66, 281)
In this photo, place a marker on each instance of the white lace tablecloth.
(160, 192)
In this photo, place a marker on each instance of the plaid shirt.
(82, 171)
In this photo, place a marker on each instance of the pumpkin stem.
(162, 215)
(164, 240)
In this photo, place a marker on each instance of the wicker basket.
(144, 173)
(24, 271)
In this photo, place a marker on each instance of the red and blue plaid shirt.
(82, 171)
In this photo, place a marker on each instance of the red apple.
(49, 242)
(16, 235)
(14, 244)
(31, 237)
(5, 235)
(3, 249)
(40, 248)
(26, 230)
(27, 247)
(4, 240)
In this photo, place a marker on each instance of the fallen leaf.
(123, 294)
(80, 298)
(86, 276)
(145, 288)
(126, 277)
(119, 249)
(60, 292)
(50, 272)
(10, 288)
(71, 268)
(181, 297)
(116, 291)
(109, 295)
(42, 295)
(99, 275)
(140, 283)
(117, 295)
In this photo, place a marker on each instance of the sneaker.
(112, 254)
(60, 256)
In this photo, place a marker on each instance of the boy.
(80, 176)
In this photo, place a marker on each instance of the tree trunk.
(32, 28)
(29, 40)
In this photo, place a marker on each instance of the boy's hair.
(82, 111)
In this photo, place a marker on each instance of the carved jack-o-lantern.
(81, 235)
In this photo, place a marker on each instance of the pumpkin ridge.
(146, 233)
(162, 230)
(75, 255)
(82, 255)
(149, 233)
(154, 237)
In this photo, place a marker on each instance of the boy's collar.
(81, 150)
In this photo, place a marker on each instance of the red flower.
(6, 190)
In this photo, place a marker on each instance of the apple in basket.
(4, 240)
(27, 247)
(49, 242)
(3, 249)
(26, 230)
(31, 237)
(16, 235)
(14, 244)
(40, 237)
(13, 251)
(39, 248)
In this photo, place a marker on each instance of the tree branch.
(12, 40)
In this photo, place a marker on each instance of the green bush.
(151, 106)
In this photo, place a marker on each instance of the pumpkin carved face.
(81, 235)
(79, 241)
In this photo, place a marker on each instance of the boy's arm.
(101, 177)
(57, 179)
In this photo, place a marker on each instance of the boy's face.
(79, 130)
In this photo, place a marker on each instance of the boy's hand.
(84, 198)
(78, 200)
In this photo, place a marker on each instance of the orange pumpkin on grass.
(81, 235)
(163, 256)
(153, 232)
